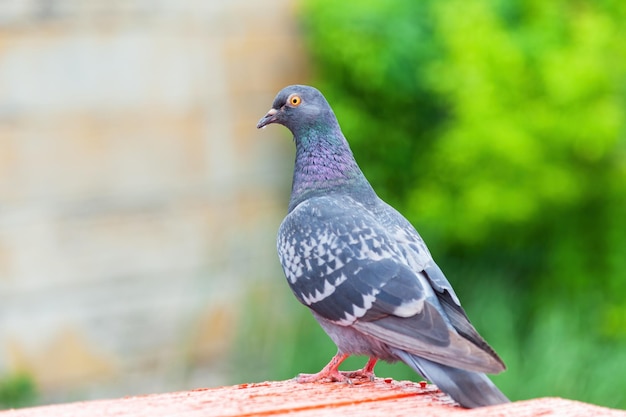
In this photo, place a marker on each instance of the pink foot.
(322, 376)
(366, 373)
(331, 372)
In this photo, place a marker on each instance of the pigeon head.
(300, 108)
(324, 162)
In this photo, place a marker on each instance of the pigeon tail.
(469, 389)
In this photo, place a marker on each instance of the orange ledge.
(383, 397)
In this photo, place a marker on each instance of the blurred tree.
(498, 128)
(17, 390)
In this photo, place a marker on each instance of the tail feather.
(469, 389)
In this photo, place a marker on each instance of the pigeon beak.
(270, 117)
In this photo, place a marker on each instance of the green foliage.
(498, 128)
(16, 390)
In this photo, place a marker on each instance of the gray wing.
(344, 265)
(415, 251)
(454, 311)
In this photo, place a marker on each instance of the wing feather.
(344, 265)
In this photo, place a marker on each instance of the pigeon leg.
(330, 371)
(366, 372)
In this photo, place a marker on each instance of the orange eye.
(294, 100)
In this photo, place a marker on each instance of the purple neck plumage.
(325, 165)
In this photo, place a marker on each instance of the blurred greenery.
(17, 390)
(498, 128)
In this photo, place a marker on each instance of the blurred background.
(139, 204)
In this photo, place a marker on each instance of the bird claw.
(348, 377)
(360, 374)
(323, 376)
(331, 373)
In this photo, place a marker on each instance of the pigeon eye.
(294, 100)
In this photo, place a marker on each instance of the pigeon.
(364, 271)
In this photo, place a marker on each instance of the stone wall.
(137, 199)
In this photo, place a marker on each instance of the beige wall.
(137, 199)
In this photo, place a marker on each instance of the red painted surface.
(378, 398)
